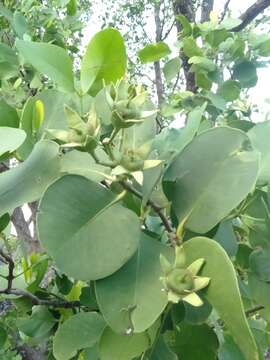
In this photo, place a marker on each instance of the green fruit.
(132, 162)
(179, 281)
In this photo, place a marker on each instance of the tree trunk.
(206, 8)
(186, 8)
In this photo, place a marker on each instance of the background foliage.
(144, 241)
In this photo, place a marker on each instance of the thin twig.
(168, 31)
(251, 13)
(151, 203)
(225, 9)
(34, 299)
(254, 310)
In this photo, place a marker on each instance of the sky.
(258, 94)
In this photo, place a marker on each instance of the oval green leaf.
(223, 292)
(87, 233)
(80, 331)
(105, 60)
(210, 177)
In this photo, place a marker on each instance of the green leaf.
(216, 180)
(19, 24)
(171, 69)
(261, 43)
(171, 142)
(216, 37)
(151, 178)
(91, 353)
(154, 52)
(63, 283)
(197, 315)
(72, 7)
(229, 350)
(87, 233)
(223, 292)
(162, 351)
(113, 346)
(230, 90)
(131, 299)
(54, 116)
(260, 291)
(27, 182)
(39, 324)
(8, 115)
(4, 221)
(259, 136)
(230, 23)
(81, 163)
(202, 80)
(242, 255)
(259, 261)
(80, 331)
(190, 47)
(195, 342)
(186, 26)
(226, 237)
(245, 71)
(203, 63)
(7, 54)
(105, 60)
(10, 139)
(50, 60)
(3, 337)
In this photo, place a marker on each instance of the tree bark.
(157, 68)
(185, 7)
(206, 8)
(251, 13)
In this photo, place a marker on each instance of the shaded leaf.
(171, 69)
(80, 331)
(8, 115)
(113, 346)
(246, 73)
(38, 324)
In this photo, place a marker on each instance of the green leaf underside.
(131, 299)
(223, 291)
(154, 52)
(88, 235)
(28, 181)
(204, 185)
(80, 331)
(105, 60)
